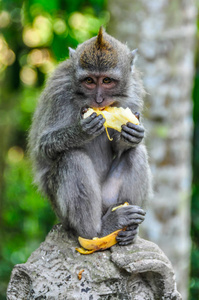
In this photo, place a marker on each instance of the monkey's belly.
(112, 185)
(100, 152)
(110, 192)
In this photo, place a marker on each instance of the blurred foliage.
(194, 281)
(34, 37)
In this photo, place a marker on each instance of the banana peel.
(115, 117)
(96, 244)
(116, 207)
(81, 250)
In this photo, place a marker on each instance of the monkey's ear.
(133, 57)
(71, 52)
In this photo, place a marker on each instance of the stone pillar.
(56, 271)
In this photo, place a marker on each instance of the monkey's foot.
(128, 236)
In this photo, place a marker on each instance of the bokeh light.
(60, 27)
(5, 19)
(28, 75)
(7, 56)
(15, 154)
(39, 34)
(41, 58)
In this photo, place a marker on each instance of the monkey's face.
(100, 89)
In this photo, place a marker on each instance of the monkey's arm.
(65, 138)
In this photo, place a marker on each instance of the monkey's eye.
(107, 80)
(89, 80)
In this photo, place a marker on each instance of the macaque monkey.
(82, 172)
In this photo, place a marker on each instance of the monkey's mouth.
(105, 104)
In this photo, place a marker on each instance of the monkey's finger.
(94, 125)
(137, 216)
(97, 121)
(131, 209)
(86, 122)
(134, 213)
(136, 221)
(139, 128)
(90, 118)
(133, 132)
(97, 126)
(131, 139)
(98, 131)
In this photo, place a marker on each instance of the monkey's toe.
(125, 243)
(126, 237)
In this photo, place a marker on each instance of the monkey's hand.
(93, 125)
(132, 134)
(124, 216)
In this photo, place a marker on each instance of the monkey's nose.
(99, 99)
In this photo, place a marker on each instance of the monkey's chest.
(101, 154)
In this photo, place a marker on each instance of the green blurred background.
(34, 37)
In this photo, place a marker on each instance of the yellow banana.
(116, 207)
(115, 117)
(84, 251)
(97, 243)
(105, 242)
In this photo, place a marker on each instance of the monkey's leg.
(135, 176)
(128, 180)
(79, 203)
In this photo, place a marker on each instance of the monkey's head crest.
(100, 41)
(101, 52)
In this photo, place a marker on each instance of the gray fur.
(84, 174)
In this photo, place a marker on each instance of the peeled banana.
(115, 117)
